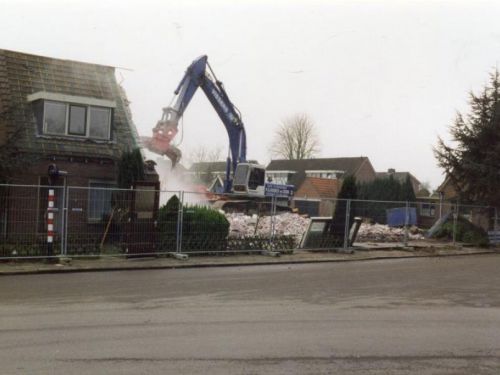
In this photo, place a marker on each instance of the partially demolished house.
(314, 196)
(67, 115)
(209, 174)
(212, 175)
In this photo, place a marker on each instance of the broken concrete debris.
(242, 225)
(384, 233)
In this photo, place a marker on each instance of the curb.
(236, 264)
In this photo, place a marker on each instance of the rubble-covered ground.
(242, 225)
(383, 233)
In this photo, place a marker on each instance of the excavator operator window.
(257, 178)
(240, 177)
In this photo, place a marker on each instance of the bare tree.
(296, 138)
(204, 154)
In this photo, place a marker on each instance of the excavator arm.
(197, 76)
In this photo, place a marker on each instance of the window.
(76, 120)
(428, 209)
(99, 122)
(328, 174)
(310, 207)
(279, 177)
(55, 118)
(99, 199)
(257, 178)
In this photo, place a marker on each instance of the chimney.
(391, 171)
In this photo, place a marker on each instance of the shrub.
(203, 229)
(465, 232)
(167, 224)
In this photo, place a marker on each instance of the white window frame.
(279, 176)
(323, 173)
(87, 120)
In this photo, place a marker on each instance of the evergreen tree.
(347, 191)
(407, 192)
(473, 162)
(381, 189)
(349, 188)
(386, 189)
(130, 168)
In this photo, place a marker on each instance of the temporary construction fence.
(50, 221)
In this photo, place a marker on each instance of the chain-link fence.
(45, 221)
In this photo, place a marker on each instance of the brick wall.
(79, 173)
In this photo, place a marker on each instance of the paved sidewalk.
(115, 263)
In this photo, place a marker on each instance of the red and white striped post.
(50, 222)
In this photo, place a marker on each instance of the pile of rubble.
(384, 233)
(242, 225)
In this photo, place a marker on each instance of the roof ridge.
(2, 51)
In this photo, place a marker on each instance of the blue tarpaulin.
(396, 217)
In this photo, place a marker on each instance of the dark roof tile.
(22, 74)
(349, 165)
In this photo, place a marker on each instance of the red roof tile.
(315, 187)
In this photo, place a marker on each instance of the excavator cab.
(249, 179)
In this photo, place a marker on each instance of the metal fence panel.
(110, 221)
(101, 221)
(31, 221)
(382, 221)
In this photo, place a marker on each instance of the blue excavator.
(242, 177)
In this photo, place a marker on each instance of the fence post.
(50, 221)
(407, 222)
(347, 217)
(495, 224)
(273, 217)
(180, 214)
(455, 222)
(63, 220)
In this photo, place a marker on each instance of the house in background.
(317, 180)
(449, 199)
(314, 196)
(401, 177)
(294, 172)
(427, 206)
(73, 115)
(429, 210)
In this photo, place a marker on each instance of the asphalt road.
(406, 316)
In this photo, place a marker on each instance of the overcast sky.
(379, 78)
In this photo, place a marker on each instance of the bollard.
(50, 223)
